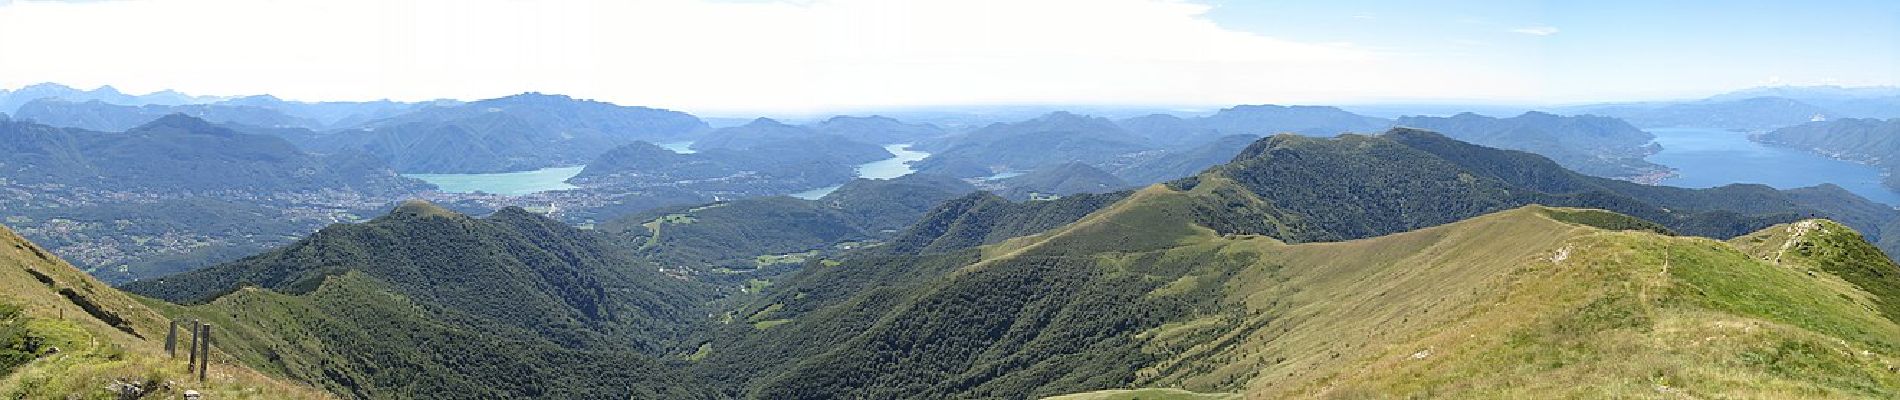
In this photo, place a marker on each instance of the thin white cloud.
(704, 55)
(1537, 30)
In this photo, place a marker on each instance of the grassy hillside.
(1532, 302)
(428, 303)
(64, 335)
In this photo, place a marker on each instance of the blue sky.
(816, 55)
(1605, 50)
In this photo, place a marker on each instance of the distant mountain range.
(1049, 140)
(1758, 109)
(1160, 147)
(177, 192)
(877, 129)
(515, 133)
(1255, 120)
(179, 153)
(101, 116)
(11, 100)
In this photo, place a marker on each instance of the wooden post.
(204, 361)
(194, 326)
(171, 340)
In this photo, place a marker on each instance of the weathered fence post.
(171, 340)
(194, 326)
(204, 361)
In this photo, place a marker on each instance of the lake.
(1714, 157)
(520, 183)
(881, 169)
(509, 183)
(682, 147)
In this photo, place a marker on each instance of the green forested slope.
(426, 303)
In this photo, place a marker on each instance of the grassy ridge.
(1528, 302)
(101, 335)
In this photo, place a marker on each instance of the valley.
(939, 199)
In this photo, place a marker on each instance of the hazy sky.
(796, 56)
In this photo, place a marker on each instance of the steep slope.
(64, 335)
(427, 303)
(1594, 145)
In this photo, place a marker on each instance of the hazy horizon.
(821, 56)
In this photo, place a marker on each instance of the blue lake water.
(509, 183)
(1714, 157)
(881, 169)
(684, 147)
(520, 183)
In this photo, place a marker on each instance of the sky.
(816, 55)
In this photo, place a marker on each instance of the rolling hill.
(428, 303)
